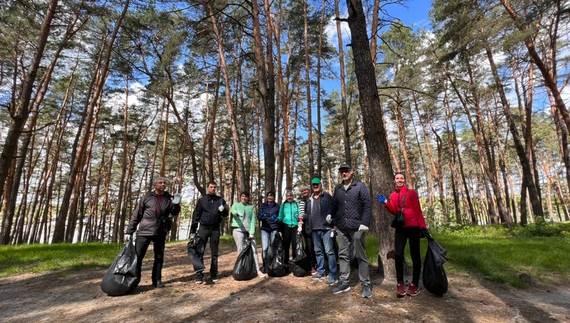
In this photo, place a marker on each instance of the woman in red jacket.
(407, 200)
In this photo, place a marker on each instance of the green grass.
(16, 260)
(494, 253)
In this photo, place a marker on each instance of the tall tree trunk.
(344, 106)
(102, 76)
(22, 110)
(374, 132)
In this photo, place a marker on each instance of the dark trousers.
(213, 234)
(141, 247)
(402, 235)
(310, 248)
(289, 239)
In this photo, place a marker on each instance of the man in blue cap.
(317, 209)
(351, 214)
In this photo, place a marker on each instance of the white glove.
(128, 237)
(176, 199)
(192, 236)
(329, 219)
(333, 233)
(239, 215)
(221, 208)
(362, 227)
(251, 236)
(300, 228)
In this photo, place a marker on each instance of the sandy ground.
(76, 296)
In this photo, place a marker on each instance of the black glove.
(424, 233)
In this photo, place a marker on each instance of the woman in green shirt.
(243, 225)
(289, 221)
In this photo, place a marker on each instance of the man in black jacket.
(208, 213)
(351, 214)
(152, 216)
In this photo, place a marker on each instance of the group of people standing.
(334, 228)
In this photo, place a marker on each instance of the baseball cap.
(316, 180)
(344, 166)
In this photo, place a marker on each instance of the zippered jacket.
(351, 207)
(266, 213)
(407, 200)
(288, 213)
(243, 217)
(149, 215)
(318, 221)
(207, 213)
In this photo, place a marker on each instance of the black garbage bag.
(121, 277)
(434, 277)
(275, 258)
(196, 249)
(245, 268)
(301, 265)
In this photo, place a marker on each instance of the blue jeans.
(267, 238)
(324, 244)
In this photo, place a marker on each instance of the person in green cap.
(317, 209)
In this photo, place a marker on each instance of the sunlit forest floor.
(76, 296)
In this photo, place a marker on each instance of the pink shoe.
(413, 290)
(401, 291)
(313, 272)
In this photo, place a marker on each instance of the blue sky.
(414, 12)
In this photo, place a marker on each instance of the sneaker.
(215, 278)
(401, 291)
(199, 280)
(341, 288)
(313, 271)
(261, 274)
(413, 290)
(331, 282)
(366, 291)
(318, 276)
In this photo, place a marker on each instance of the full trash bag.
(121, 277)
(196, 249)
(245, 268)
(275, 258)
(300, 266)
(434, 277)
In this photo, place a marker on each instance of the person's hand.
(239, 215)
(192, 236)
(251, 237)
(176, 199)
(221, 208)
(273, 217)
(300, 227)
(381, 198)
(128, 237)
(329, 219)
(362, 227)
(333, 233)
(424, 233)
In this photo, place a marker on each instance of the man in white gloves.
(209, 211)
(351, 214)
(150, 221)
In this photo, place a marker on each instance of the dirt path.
(76, 296)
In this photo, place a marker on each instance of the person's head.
(212, 188)
(244, 197)
(160, 185)
(317, 185)
(289, 196)
(346, 173)
(270, 197)
(400, 179)
(305, 191)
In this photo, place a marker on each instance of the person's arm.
(251, 220)
(390, 204)
(281, 212)
(366, 205)
(418, 209)
(196, 216)
(136, 217)
(226, 211)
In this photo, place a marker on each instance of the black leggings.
(289, 239)
(402, 235)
